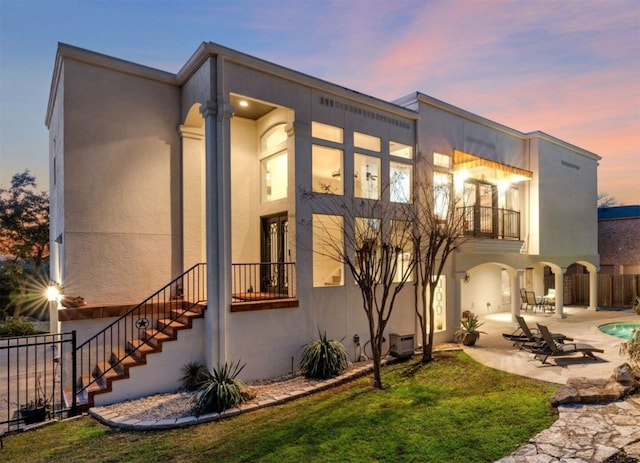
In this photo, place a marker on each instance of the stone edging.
(125, 422)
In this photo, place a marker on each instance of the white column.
(593, 289)
(458, 300)
(516, 300)
(218, 224)
(559, 279)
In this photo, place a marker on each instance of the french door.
(274, 253)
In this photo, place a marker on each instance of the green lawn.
(452, 410)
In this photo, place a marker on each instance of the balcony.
(490, 222)
(264, 285)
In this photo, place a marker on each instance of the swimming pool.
(622, 330)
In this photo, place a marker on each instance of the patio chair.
(535, 302)
(526, 338)
(523, 299)
(551, 348)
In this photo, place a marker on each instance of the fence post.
(74, 375)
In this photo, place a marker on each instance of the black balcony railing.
(263, 281)
(490, 222)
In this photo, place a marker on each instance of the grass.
(452, 410)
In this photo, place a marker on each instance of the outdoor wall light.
(53, 293)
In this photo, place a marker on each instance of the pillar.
(593, 289)
(218, 226)
(559, 280)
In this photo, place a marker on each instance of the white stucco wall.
(121, 165)
(567, 189)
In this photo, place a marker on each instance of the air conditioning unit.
(401, 345)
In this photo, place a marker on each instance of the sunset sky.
(568, 68)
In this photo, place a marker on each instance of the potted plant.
(468, 332)
(36, 410)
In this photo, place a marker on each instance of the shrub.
(323, 358)
(16, 327)
(220, 389)
(193, 375)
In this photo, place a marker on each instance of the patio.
(580, 323)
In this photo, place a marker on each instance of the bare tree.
(438, 225)
(606, 200)
(372, 238)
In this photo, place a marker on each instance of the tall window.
(328, 243)
(366, 176)
(401, 238)
(441, 194)
(274, 170)
(401, 181)
(327, 159)
(326, 170)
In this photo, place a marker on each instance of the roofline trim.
(209, 50)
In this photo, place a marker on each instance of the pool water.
(622, 330)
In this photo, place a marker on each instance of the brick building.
(619, 240)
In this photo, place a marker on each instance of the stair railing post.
(74, 375)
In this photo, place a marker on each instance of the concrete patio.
(580, 324)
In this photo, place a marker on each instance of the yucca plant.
(193, 375)
(220, 389)
(323, 358)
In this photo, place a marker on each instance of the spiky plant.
(193, 375)
(323, 358)
(220, 389)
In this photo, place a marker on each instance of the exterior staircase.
(134, 354)
(109, 356)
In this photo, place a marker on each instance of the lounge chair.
(526, 338)
(551, 348)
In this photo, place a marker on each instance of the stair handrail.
(181, 296)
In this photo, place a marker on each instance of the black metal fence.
(35, 374)
(263, 281)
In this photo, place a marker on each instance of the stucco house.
(155, 174)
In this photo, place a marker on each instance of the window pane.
(326, 170)
(441, 194)
(442, 160)
(328, 243)
(274, 176)
(401, 238)
(368, 142)
(400, 150)
(273, 137)
(401, 181)
(366, 173)
(327, 132)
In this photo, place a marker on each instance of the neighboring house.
(153, 172)
(619, 240)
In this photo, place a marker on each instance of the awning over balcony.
(488, 169)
